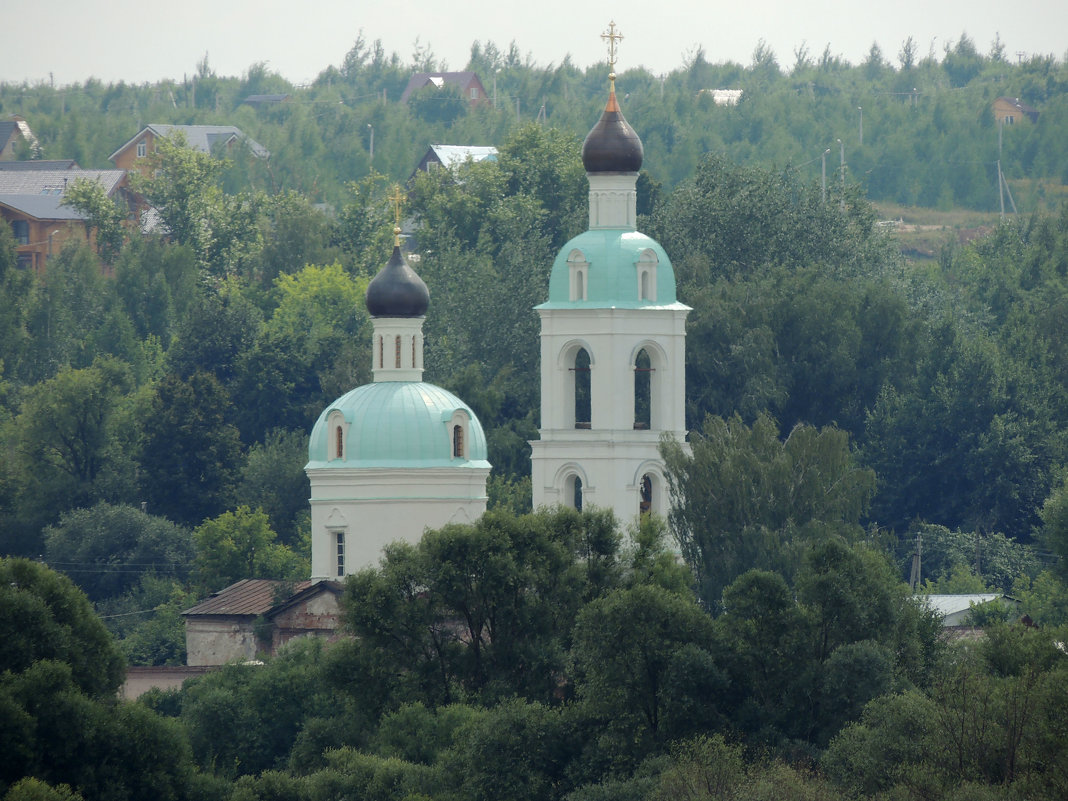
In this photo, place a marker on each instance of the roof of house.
(248, 597)
(438, 79)
(947, 605)
(452, 155)
(55, 182)
(1023, 107)
(253, 100)
(40, 164)
(7, 128)
(199, 137)
(40, 207)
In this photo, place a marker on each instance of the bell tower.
(613, 343)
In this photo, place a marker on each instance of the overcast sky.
(137, 41)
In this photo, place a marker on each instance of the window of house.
(340, 538)
(643, 385)
(142, 149)
(583, 405)
(21, 229)
(474, 93)
(458, 441)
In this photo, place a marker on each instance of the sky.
(69, 41)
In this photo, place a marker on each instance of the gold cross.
(397, 198)
(612, 36)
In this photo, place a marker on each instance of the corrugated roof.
(247, 597)
(54, 182)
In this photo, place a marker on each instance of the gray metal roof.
(200, 137)
(452, 155)
(41, 207)
(55, 182)
(40, 164)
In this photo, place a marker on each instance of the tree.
(742, 498)
(45, 618)
(273, 480)
(241, 545)
(72, 441)
(643, 662)
(190, 455)
(107, 549)
(102, 215)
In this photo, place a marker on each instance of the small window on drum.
(643, 375)
(458, 441)
(339, 443)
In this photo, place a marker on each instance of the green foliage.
(741, 498)
(273, 480)
(241, 545)
(107, 549)
(104, 218)
(190, 454)
(45, 618)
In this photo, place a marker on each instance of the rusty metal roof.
(249, 597)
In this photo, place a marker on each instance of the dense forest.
(845, 404)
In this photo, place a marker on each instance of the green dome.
(612, 276)
(397, 424)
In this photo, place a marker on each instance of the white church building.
(613, 347)
(392, 458)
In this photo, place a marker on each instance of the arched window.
(397, 351)
(339, 443)
(583, 410)
(458, 441)
(577, 274)
(645, 504)
(580, 287)
(646, 266)
(574, 492)
(643, 383)
(645, 286)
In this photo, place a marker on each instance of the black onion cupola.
(612, 145)
(397, 291)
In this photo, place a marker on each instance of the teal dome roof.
(612, 276)
(397, 424)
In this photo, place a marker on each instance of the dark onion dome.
(397, 291)
(612, 145)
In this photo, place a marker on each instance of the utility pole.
(841, 153)
(823, 176)
(916, 578)
(861, 110)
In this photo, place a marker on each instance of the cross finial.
(612, 36)
(397, 198)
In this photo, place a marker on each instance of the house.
(31, 203)
(1010, 110)
(956, 609)
(467, 83)
(449, 156)
(205, 138)
(255, 616)
(15, 134)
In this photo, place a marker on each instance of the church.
(392, 458)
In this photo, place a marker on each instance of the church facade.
(613, 347)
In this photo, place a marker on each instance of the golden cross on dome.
(612, 36)
(397, 198)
